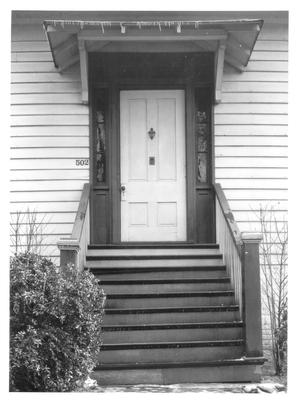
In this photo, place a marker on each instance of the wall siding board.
(54, 87)
(46, 98)
(250, 151)
(254, 87)
(54, 206)
(254, 140)
(262, 99)
(46, 196)
(46, 163)
(252, 109)
(45, 120)
(53, 130)
(51, 109)
(47, 77)
(55, 152)
(253, 173)
(251, 130)
(49, 141)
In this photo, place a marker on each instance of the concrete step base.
(170, 352)
(242, 370)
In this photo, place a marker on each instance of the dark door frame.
(111, 207)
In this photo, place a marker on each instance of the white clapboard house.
(144, 142)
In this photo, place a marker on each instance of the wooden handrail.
(73, 249)
(229, 218)
(81, 213)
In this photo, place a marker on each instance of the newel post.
(69, 252)
(252, 293)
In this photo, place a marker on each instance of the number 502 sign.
(82, 162)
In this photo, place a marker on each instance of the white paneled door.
(153, 184)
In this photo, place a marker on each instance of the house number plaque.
(82, 162)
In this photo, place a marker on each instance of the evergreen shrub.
(55, 324)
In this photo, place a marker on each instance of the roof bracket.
(220, 54)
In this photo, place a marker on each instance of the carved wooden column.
(252, 294)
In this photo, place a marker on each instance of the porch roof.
(231, 40)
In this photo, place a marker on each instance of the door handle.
(122, 188)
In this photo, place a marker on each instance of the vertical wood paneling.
(50, 130)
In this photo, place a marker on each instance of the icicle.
(196, 25)
(102, 26)
(81, 25)
(159, 26)
(179, 27)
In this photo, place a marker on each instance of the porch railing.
(241, 257)
(73, 249)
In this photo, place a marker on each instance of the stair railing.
(241, 257)
(73, 250)
(228, 237)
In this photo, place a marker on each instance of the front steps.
(170, 316)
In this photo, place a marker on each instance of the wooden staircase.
(170, 316)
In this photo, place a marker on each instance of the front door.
(152, 162)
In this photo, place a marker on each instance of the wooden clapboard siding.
(42, 163)
(252, 173)
(49, 141)
(253, 87)
(49, 109)
(53, 130)
(255, 205)
(53, 87)
(251, 130)
(48, 174)
(49, 217)
(50, 130)
(55, 206)
(226, 130)
(47, 98)
(248, 140)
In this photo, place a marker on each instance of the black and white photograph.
(148, 181)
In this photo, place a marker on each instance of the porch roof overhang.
(232, 41)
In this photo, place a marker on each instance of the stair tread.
(153, 257)
(176, 364)
(166, 268)
(181, 325)
(147, 245)
(208, 293)
(179, 344)
(162, 281)
(233, 307)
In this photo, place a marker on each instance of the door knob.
(122, 188)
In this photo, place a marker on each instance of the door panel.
(153, 205)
